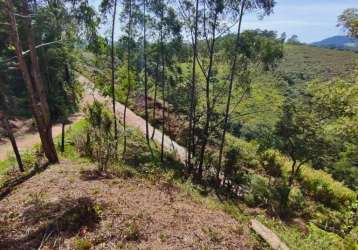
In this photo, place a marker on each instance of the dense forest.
(234, 126)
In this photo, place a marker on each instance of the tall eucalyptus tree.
(239, 7)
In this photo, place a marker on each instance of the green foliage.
(98, 140)
(259, 192)
(340, 222)
(271, 164)
(349, 21)
(316, 239)
(351, 240)
(296, 200)
(345, 171)
(318, 184)
(82, 244)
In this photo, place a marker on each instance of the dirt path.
(27, 140)
(135, 121)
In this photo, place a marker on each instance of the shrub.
(99, 143)
(321, 186)
(259, 192)
(296, 200)
(351, 240)
(348, 173)
(341, 222)
(247, 151)
(82, 244)
(271, 164)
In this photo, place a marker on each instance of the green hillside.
(302, 63)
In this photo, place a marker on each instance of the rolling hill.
(338, 42)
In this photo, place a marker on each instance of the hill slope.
(302, 63)
(70, 206)
(338, 42)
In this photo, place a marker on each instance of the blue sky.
(311, 20)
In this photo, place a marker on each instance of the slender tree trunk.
(208, 106)
(163, 82)
(34, 85)
(63, 138)
(145, 74)
(11, 137)
(7, 127)
(128, 76)
(291, 178)
(113, 73)
(155, 97)
(191, 144)
(231, 81)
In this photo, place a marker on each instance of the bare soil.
(70, 205)
(26, 135)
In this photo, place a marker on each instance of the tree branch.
(27, 51)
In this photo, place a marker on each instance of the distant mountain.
(338, 42)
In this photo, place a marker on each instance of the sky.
(311, 20)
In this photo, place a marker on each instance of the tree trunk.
(128, 77)
(11, 137)
(145, 74)
(163, 82)
(113, 73)
(191, 144)
(63, 138)
(35, 88)
(232, 76)
(155, 97)
(7, 127)
(208, 106)
(292, 176)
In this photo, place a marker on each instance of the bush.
(351, 240)
(259, 192)
(271, 164)
(98, 140)
(247, 151)
(321, 186)
(296, 200)
(82, 244)
(341, 222)
(348, 173)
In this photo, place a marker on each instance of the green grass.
(316, 239)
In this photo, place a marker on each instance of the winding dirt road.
(26, 141)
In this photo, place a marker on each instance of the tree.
(145, 72)
(213, 19)
(34, 84)
(127, 10)
(239, 8)
(107, 6)
(349, 21)
(300, 137)
(293, 40)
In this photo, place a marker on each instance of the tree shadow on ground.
(12, 183)
(49, 224)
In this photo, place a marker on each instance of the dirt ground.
(26, 135)
(69, 206)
